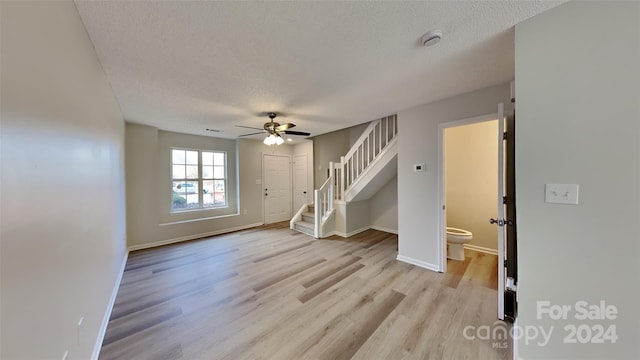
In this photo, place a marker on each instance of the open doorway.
(469, 168)
(468, 194)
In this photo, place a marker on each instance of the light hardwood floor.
(272, 293)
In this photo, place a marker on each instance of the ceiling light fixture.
(273, 139)
(432, 37)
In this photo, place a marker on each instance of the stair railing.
(365, 150)
(343, 175)
(323, 201)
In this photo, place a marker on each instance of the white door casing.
(277, 188)
(300, 186)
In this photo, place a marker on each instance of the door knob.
(500, 222)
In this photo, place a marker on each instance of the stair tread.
(305, 224)
(310, 214)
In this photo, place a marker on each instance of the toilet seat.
(456, 231)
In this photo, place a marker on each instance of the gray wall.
(383, 207)
(578, 116)
(63, 199)
(419, 240)
(147, 160)
(330, 147)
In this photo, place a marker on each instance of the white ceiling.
(187, 66)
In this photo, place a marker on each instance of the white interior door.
(300, 185)
(501, 213)
(277, 188)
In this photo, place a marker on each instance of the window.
(192, 170)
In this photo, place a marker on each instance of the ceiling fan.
(273, 129)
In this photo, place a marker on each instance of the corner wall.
(419, 239)
(63, 191)
(578, 122)
(148, 179)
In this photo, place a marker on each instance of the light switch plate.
(561, 194)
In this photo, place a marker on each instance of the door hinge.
(504, 135)
(505, 263)
(504, 200)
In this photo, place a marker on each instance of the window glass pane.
(192, 171)
(179, 195)
(193, 201)
(179, 187)
(207, 158)
(192, 157)
(207, 193)
(218, 158)
(219, 193)
(177, 156)
(218, 172)
(185, 195)
(178, 171)
(207, 172)
(218, 199)
(219, 185)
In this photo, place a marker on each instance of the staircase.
(370, 164)
(307, 221)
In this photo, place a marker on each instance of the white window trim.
(199, 180)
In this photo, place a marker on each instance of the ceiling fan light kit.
(273, 139)
(273, 130)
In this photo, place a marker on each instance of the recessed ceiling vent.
(432, 37)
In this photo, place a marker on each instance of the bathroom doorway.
(468, 189)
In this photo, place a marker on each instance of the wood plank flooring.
(273, 293)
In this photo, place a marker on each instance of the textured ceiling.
(187, 66)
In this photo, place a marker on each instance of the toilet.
(456, 238)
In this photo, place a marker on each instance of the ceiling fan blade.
(289, 132)
(249, 127)
(284, 127)
(256, 133)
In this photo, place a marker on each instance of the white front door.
(300, 190)
(277, 188)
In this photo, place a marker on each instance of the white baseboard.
(419, 263)
(192, 237)
(382, 228)
(362, 229)
(349, 234)
(105, 320)
(481, 249)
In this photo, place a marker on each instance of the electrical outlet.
(561, 194)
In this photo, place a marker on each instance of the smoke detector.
(432, 37)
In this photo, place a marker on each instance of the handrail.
(323, 201)
(343, 175)
(366, 149)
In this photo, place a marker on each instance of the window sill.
(188, 211)
(198, 219)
